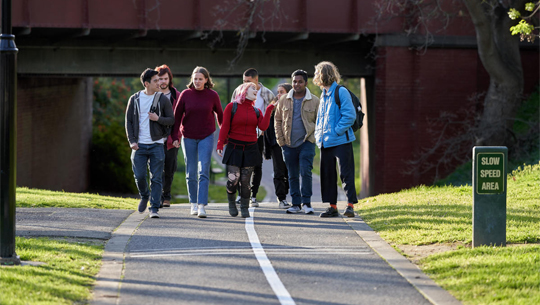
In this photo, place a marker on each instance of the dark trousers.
(281, 180)
(257, 170)
(344, 156)
(169, 168)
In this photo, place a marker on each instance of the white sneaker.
(193, 209)
(308, 210)
(283, 204)
(294, 209)
(254, 202)
(237, 200)
(154, 215)
(202, 211)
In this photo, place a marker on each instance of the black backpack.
(233, 111)
(356, 103)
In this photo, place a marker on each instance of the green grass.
(34, 198)
(66, 277)
(430, 215)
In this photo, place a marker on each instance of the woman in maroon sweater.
(195, 118)
(242, 153)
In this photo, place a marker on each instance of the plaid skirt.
(242, 154)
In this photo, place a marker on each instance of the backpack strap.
(257, 111)
(336, 96)
(155, 102)
(233, 111)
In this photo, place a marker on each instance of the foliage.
(67, 277)
(35, 198)
(110, 168)
(525, 27)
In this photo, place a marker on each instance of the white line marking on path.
(271, 276)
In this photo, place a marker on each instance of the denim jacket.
(333, 124)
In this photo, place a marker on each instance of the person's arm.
(178, 114)
(264, 120)
(348, 113)
(225, 128)
(167, 114)
(130, 133)
(278, 122)
(218, 110)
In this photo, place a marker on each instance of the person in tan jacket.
(295, 120)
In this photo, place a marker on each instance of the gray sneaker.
(254, 203)
(283, 204)
(154, 215)
(294, 209)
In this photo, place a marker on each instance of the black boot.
(233, 211)
(244, 204)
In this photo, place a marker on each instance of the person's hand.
(153, 116)
(176, 144)
(220, 152)
(134, 146)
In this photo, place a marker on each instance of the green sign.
(490, 173)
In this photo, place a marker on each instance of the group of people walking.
(256, 124)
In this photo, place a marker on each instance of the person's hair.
(328, 74)
(209, 84)
(241, 92)
(301, 73)
(165, 69)
(147, 75)
(251, 72)
(285, 86)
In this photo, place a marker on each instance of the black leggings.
(237, 174)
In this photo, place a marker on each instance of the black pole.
(8, 143)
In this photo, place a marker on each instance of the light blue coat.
(333, 123)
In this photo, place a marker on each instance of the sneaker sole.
(348, 215)
(201, 216)
(310, 212)
(289, 212)
(332, 215)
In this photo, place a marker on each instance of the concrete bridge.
(64, 43)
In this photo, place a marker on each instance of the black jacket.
(157, 128)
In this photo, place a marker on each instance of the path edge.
(424, 284)
(107, 286)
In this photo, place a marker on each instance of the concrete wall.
(54, 129)
(409, 90)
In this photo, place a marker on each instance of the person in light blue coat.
(334, 136)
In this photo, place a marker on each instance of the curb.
(107, 288)
(426, 286)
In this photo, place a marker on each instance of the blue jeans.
(198, 156)
(151, 155)
(299, 161)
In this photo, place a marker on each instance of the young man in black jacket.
(148, 114)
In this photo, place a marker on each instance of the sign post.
(489, 195)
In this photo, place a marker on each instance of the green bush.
(110, 163)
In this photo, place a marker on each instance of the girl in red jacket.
(240, 134)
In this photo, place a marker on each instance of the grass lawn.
(34, 198)
(484, 275)
(66, 277)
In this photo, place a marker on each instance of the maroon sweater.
(244, 123)
(195, 114)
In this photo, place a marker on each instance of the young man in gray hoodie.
(149, 116)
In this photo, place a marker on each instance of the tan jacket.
(284, 116)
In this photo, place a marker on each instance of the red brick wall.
(54, 129)
(409, 89)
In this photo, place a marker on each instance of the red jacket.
(244, 123)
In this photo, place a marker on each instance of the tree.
(525, 28)
(497, 48)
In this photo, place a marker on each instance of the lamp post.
(8, 144)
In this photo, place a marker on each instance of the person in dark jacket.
(146, 128)
(171, 152)
(272, 150)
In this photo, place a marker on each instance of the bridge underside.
(123, 53)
